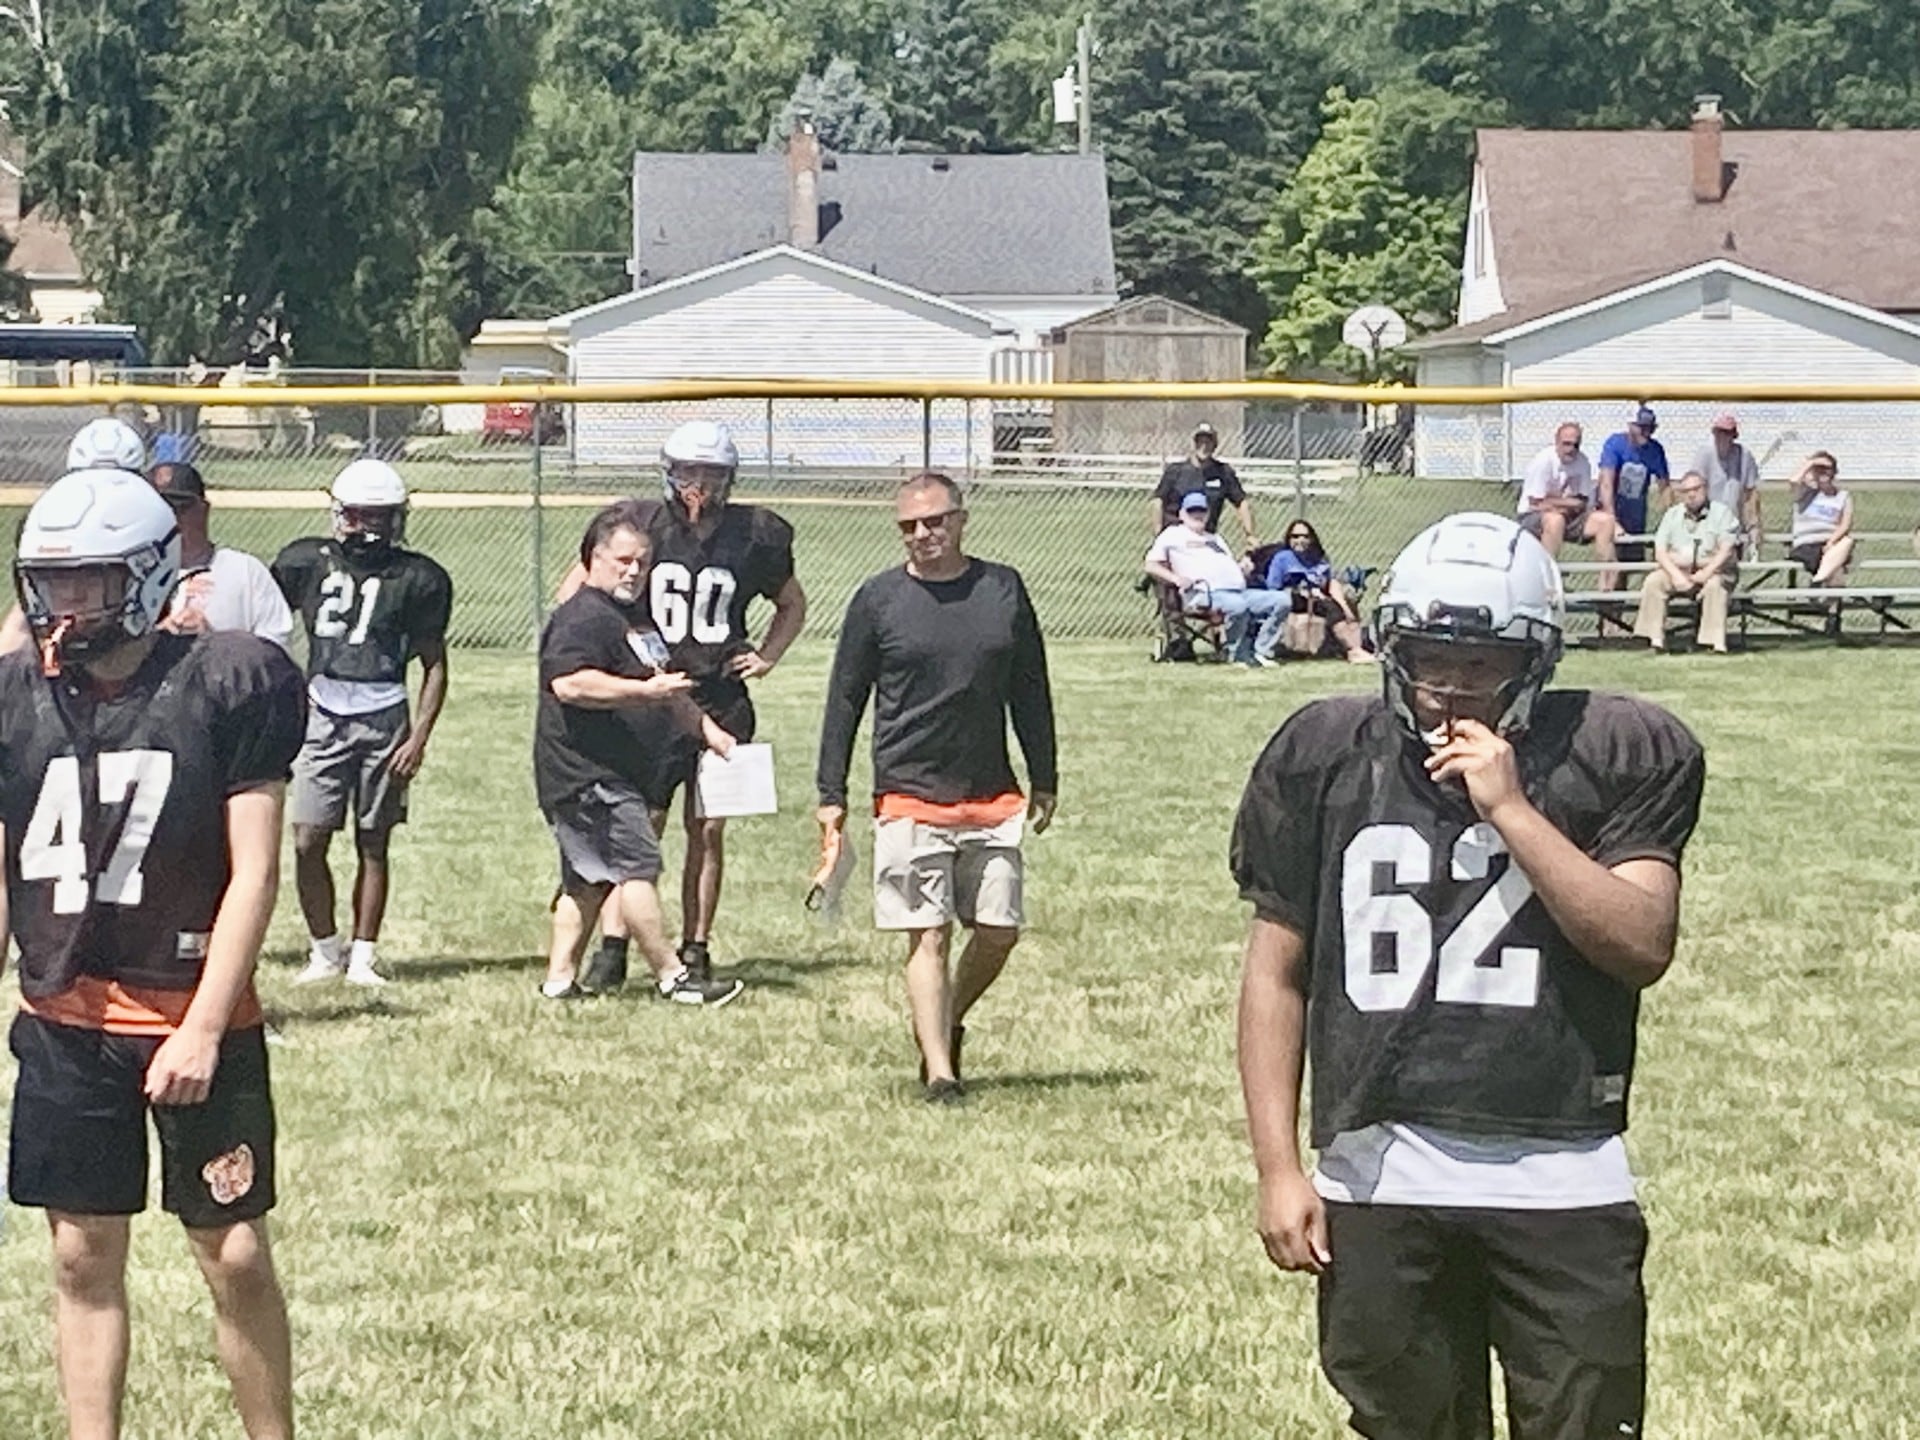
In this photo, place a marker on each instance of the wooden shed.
(1147, 338)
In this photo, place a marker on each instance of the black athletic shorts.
(1416, 1297)
(731, 708)
(1808, 555)
(79, 1141)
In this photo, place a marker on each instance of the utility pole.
(1084, 47)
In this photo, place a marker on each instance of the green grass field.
(506, 1219)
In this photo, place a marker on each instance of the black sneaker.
(693, 955)
(954, 1037)
(686, 989)
(605, 973)
(945, 1092)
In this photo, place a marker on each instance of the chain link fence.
(1062, 491)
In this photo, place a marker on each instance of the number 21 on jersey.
(53, 847)
(1389, 935)
(337, 608)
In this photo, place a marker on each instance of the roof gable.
(1155, 312)
(1007, 225)
(1833, 210)
(750, 269)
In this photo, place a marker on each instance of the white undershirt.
(1398, 1164)
(355, 697)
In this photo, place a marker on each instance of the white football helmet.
(99, 520)
(369, 506)
(1473, 580)
(107, 444)
(689, 457)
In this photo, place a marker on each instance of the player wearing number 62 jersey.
(141, 777)
(1459, 891)
(369, 607)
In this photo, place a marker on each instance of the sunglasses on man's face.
(932, 522)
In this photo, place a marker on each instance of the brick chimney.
(803, 185)
(1709, 170)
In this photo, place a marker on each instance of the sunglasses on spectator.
(932, 522)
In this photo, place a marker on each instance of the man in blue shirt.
(1630, 463)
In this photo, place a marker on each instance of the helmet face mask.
(1470, 625)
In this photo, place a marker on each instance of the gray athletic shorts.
(343, 762)
(605, 838)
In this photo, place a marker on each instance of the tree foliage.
(848, 117)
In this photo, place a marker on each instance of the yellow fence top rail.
(1284, 391)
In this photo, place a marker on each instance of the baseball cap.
(1727, 423)
(179, 482)
(1203, 428)
(1645, 419)
(1193, 500)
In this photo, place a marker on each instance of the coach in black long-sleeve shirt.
(949, 647)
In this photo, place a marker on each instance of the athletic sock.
(361, 956)
(327, 947)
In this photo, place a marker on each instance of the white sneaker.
(362, 973)
(320, 967)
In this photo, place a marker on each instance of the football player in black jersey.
(711, 558)
(1459, 892)
(141, 779)
(370, 606)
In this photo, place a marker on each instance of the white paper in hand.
(741, 784)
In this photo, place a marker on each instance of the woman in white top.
(1822, 538)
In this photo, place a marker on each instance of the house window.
(1477, 243)
(1716, 297)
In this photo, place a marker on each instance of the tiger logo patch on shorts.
(230, 1176)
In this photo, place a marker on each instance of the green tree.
(247, 169)
(1197, 128)
(848, 117)
(1346, 233)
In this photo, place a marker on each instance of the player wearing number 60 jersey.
(369, 607)
(141, 777)
(712, 558)
(1459, 891)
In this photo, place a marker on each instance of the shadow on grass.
(359, 1006)
(1061, 1080)
(454, 967)
(766, 972)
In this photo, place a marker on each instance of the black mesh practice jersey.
(115, 808)
(1440, 990)
(365, 617)
(700, 585)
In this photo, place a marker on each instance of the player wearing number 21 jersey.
(370, 606)
(1459, 890)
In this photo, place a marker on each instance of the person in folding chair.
(1200, 570)
(1316, 604)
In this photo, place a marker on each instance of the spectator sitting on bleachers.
(1822, 535)
(1695, 552)
(1557, 501)
(1300, 569)
(1733, 478)
(1199, 565)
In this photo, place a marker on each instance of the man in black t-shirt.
(609, 708)
(141, 779)
(1207, 473)
(949, 648)
(1459, 891)
(370, 607)
(711, 557)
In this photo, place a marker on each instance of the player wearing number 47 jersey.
(1459, 892)
(141, 776)
(370, 607)
(711, 559)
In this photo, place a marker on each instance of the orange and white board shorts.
(927, 874)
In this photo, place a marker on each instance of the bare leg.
(981, 962)
(1601, 529)
(1833, 562)
(313, 879)
(249, 1325)
(613, 925)
(700, 877)
(929, 998)
(639, 902)
(1553, 530)
(90, 1320)
(370, 884)
(569, 943)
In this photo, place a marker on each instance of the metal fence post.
(1299, 468)
(539, 531)
(926, 433)
(769, 440)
